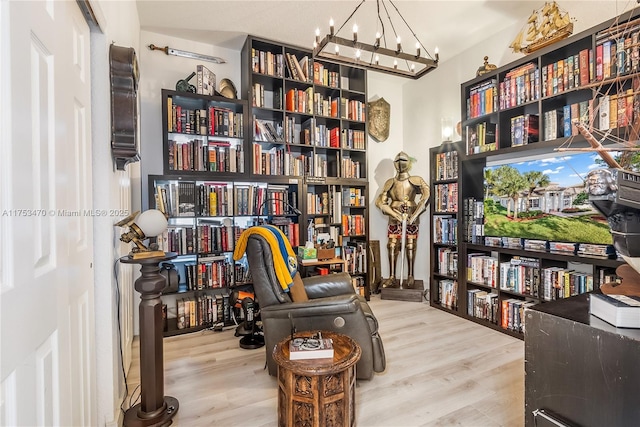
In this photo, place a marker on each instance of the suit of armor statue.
(397, 200)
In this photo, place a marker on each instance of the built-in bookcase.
(307, 121)
(522, 111)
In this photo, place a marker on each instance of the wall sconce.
(447, 129)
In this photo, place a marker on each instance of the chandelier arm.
(350, 16)
(381, 23)
(390, 21)
(410, 29)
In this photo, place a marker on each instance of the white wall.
(120, 24)
(160, 71)
(380, 155)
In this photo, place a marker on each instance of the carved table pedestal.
(317, 392)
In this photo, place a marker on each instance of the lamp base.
(252, 342)
(134, 417)
(147, 254)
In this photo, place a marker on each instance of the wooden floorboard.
(441, 371)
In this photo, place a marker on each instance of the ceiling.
(452, 25)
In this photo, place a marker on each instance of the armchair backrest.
(265, 281)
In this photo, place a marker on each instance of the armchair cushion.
(328, 285)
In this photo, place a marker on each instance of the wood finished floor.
(441, 371)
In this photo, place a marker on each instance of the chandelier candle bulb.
(377, 40)
(395, 63)
(399, 49)
(317, 36)
(355, 32)
(436, 52)
(331, 26)
(337, 50)
(417, 48)
(358, 54)
(377, 59)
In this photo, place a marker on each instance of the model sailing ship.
(544, 27)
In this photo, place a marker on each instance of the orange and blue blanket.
(284, 259)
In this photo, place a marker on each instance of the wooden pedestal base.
(415, 294)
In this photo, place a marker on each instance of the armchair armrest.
(328, 285)
(335, 305)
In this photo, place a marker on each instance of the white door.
(46, 288)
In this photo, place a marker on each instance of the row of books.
(268, 131)
(325, 105)
(558, 283)
(265, 62)
(473, 211)
(205, 156)
(203, 310)
(214, 121)
(301, 70)
(482, 268)
(481, 137)
(353, 225)
(281, 161)
(445, 197)
(512, 314)
(446, 165)
(324, 76)
(189, 199)
(325, 202)
(578, 111)
(483, 305)
(618, 56)
(299, 100)
(617, 110)
(208, 272)
(524, 129)
(447, 261)
(483, 99)
(319, 134)
(355, 256)
(448, 293)
(521, 275)
(567, 73)
(520, 85)
(445, 229)
(215, 238)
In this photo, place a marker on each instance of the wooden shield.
(379, 117)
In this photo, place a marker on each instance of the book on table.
(622, 311)
(310, 348)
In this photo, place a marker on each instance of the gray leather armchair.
(332, 306)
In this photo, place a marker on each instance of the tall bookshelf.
(296, 140)
(443, 214)
(500, 111)
(307, 121)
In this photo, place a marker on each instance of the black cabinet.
(579, 368)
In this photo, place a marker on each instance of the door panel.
(46, 224)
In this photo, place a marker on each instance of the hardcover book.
(622, 311)
(310, 348)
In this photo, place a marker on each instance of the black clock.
(124, 105)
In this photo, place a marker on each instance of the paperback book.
(310, 348)
(621, 311)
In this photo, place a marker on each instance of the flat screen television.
(544, 199)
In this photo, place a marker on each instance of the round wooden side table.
(317, 392)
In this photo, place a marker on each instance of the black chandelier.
(378, 56)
